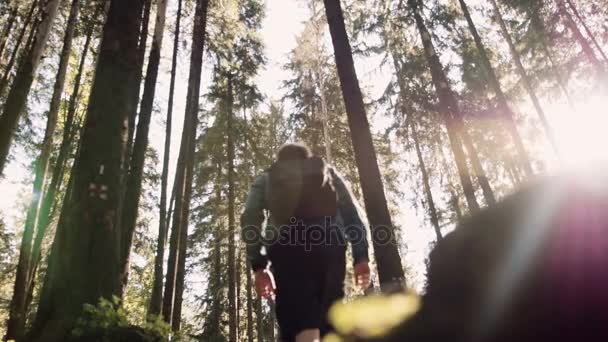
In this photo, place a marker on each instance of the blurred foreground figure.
(312, 215)
(533, 268)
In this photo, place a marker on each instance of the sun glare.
(581, 132)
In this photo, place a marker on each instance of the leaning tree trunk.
(185, 215)
(176, 266)
(524, 76)
(7, 29)
(425, 182)
(16, 321)
(587, 49)
(390, 270)
(17, 97)
(157, 284)
(11, 62)
(134, 178)
(449, 108)
(589, 33)
(141, 55)
(509, 116)
(168, 297)
(84, 264)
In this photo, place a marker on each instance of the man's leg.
(333, 290)
(309, 335)
(298, 306)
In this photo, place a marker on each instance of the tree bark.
(509, 116)
(390, 270)
(84, 261)
(11, 62)
(449, 107)
(157, 285)
(524, 77)
(17, 97)
(18, 307)
(138, 156)
(259, 319)
(176, 267)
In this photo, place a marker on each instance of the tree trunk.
(390, 270)
(259, 319)
(185, 216)
(232, 308)
(134, 178)
(141, 55)
(157, 285)
(325, 119)
(11, 62)
(425, 177)
(449, 108)
(587, 49)
(176, 266)
(7, 29)
(84, 261)
(238, 292)
(480, 174)
(169, 292)
(271, 322)
(17, 97)
(216, 311)
(18, 308)
(249, 285)
(509, 116)
(69, 131)
(538, 25)
(589, 33)
(454, 200)
(425, 181)
(524, 77)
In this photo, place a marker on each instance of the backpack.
(301, 190)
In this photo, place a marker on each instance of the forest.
(132, 130)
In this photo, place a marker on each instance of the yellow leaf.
(373, 316)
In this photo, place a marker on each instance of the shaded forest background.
(467, 101)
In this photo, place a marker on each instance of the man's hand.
(362, 274)
(264, 284)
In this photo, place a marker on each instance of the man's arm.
(251, 223)
(354, 226)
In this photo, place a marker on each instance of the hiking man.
(312, 214)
